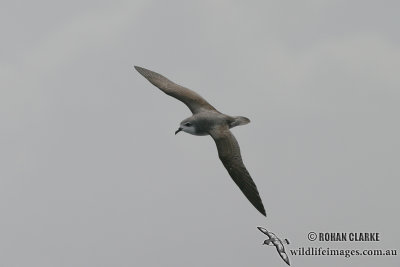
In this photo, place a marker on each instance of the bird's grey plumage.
(273, 240)
(229, 154)
(193, 100)
(206, 120)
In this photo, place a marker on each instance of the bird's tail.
(239, 120)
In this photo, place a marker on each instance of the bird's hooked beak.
(177, 131)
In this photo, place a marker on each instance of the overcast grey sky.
(92, 174)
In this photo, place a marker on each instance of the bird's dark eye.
(188, 124)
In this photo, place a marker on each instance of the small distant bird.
(206, 120)
(273, 240)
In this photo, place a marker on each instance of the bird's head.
(187, 125)
(267, 242)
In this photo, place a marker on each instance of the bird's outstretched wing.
(264, 231)
(193, 100)
(229, 154)
(273, 240)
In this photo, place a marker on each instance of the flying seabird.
(273, 240)
(206, 120)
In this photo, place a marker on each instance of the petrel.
(273, 240)
(207, 120)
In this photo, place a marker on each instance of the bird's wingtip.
(144, 72)
(264, 213)
(262, 229)
(261, 210)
